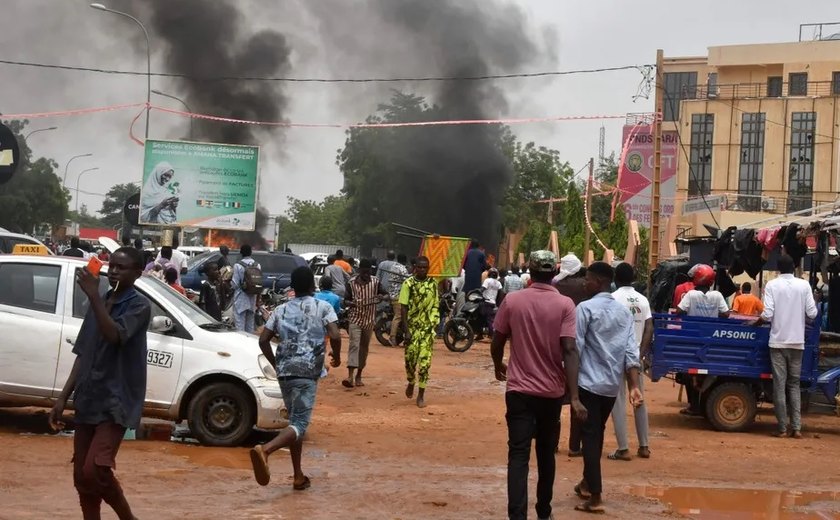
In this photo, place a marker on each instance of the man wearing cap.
(540, 322)
(570, 278)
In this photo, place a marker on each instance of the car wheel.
(221, 414)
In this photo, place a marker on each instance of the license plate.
(159, 359)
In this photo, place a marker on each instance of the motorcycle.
(270, 299)
(382, 326)
(465, 321)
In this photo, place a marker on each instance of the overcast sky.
(302, 164)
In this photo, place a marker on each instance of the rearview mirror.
(161, 325)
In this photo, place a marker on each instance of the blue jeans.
(299, 396)
(244, 321)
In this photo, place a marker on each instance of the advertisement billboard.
(636, 173)
(202, 185)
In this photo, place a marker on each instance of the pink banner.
(636, 172)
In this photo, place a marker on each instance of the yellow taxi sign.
(30, 249)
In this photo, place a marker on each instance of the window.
(798, 84)
(678, 86)
(801, 179)
(774, 86)
(835, 83)
(29, 286)
(80, 299)
(711, 85)
(752, 161)
(700, 159)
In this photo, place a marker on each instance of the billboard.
(636, 173)
(199, 185)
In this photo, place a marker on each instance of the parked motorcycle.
(382, 326)
(465, 321)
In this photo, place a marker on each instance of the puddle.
(752, 504)
(231, 458)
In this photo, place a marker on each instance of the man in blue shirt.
(474, 264)
(301, 325)
(607, 343)
(326, 294)
(108, 381)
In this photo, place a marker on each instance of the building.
(758, 127)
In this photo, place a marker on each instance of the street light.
(77, 186)
(170, 96)
(26, 138)
(64, 181)
(148, 57)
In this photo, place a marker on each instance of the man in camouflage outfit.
(419, 301)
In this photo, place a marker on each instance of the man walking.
(363, 293)
(244, 298)
(419, 306)
(339, 277)
(513, 282)
(540, 323)
(788, 302)
(108, 381)
(639, 307)
(301, 325)
(342, 263)
(75, 249)
(474, 265)
(608, 354)
(392, 273)
(212, 295)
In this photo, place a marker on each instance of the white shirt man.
(710, 304)
(179, 259)
(788, 301)
(491, 286)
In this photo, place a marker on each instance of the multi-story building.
(759, 127)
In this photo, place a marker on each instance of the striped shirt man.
(362, 291)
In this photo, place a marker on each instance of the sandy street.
(372, 454)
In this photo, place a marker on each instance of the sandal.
(644, 452)
(586, 507)
(620, 455)
(359, 382)
(691, 413)
(581, 492)
(303, 485)
(260, 463)
(347, 383)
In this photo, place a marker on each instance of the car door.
(163, 359)
(30, 326)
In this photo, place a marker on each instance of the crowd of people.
(576, 335)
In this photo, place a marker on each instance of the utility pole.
(653, 253)
(587, 218)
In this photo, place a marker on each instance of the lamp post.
(170, 96)
(148, 57)
(67, 165)
(26, 138)
(77, 186)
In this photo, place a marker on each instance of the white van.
(198, 369)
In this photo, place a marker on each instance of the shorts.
(299, 396)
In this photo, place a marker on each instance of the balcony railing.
(762, 203)
(761, 90)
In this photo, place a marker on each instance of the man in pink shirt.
(541, 325)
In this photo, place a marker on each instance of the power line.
(324, 80)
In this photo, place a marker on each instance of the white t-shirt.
(491, 286)
(704, 305)
(787, 302)
(638, 306)
(525, 277)
(179, 259)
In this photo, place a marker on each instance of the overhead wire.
(325, 80)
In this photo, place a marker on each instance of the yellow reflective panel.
(30, 249)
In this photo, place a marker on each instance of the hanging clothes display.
(793, 243)
(747, 254)
(723, 252)
(834, 304)
(724, 283)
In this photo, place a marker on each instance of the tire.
(458, 336)
(731, 407)
(382, 330)
(221, 414)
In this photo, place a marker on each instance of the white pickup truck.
(198, 369)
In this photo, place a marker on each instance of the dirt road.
(372, 454)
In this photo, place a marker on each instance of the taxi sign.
(30, 249)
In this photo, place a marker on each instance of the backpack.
(252, 281)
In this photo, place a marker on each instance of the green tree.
(85, 219)
(112, 206)
(572, 227)
(311, 222)
(34, 195)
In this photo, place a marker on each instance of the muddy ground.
(372, 453)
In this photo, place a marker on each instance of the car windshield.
(186, 307)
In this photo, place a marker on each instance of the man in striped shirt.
(362, 294)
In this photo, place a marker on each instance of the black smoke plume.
(449, 179)
(208, 39)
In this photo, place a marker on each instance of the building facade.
(758, 127)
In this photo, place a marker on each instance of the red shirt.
(680, 291)
(535, 319)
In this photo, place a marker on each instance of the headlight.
(267, 370)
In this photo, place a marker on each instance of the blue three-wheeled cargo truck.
(728, 361)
